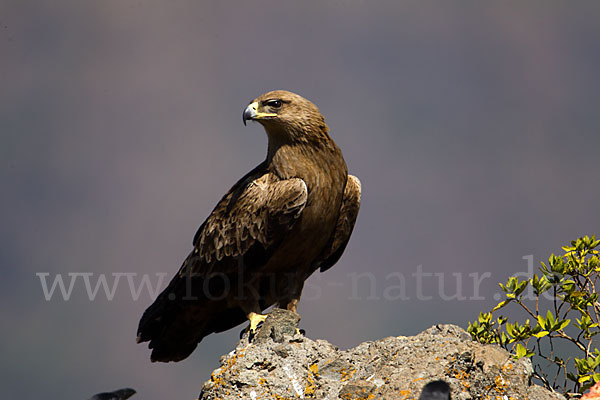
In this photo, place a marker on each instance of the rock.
(280, 363)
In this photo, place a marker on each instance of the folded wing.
(242, 231)
(344, 225)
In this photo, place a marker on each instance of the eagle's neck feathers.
(305, 155)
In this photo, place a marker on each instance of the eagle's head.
(285, 114)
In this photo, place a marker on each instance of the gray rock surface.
(279, 363)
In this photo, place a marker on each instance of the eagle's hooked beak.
(251, 113)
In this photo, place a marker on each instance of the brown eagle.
(288, 217)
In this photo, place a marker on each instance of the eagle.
(291, 215)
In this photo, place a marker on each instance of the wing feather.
(242, 230)
(344, 225)
(265, 208)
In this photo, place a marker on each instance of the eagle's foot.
(255, 321)
(301, 332)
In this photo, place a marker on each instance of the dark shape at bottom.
(120, 394)
(436, 390)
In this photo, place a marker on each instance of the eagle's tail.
(164, 326)
(174, 324)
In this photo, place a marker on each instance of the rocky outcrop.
(280, 363)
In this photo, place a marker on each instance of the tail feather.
(175, 327)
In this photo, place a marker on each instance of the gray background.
(473, 126)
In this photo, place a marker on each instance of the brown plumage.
(288, 217)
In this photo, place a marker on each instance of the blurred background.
(473, 126)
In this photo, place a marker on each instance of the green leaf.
(542, 322)
(584, 378)
(521, 350)
(520, 288)
(564, 324)
(572, 376)
(568, 285)
(550, 318)
(510, 329)
(501, 304)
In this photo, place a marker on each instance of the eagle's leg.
(292, 305)
(292, 291)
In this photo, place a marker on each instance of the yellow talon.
(255, 320)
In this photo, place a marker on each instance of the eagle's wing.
(257, 212)
(241, 232)
(344, 225)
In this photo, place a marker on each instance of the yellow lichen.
(311, 386)
(345, 375)
(217, 376)
(348, 396)
(462, 376)
(500, 383)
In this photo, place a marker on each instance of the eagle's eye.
(274, 103)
